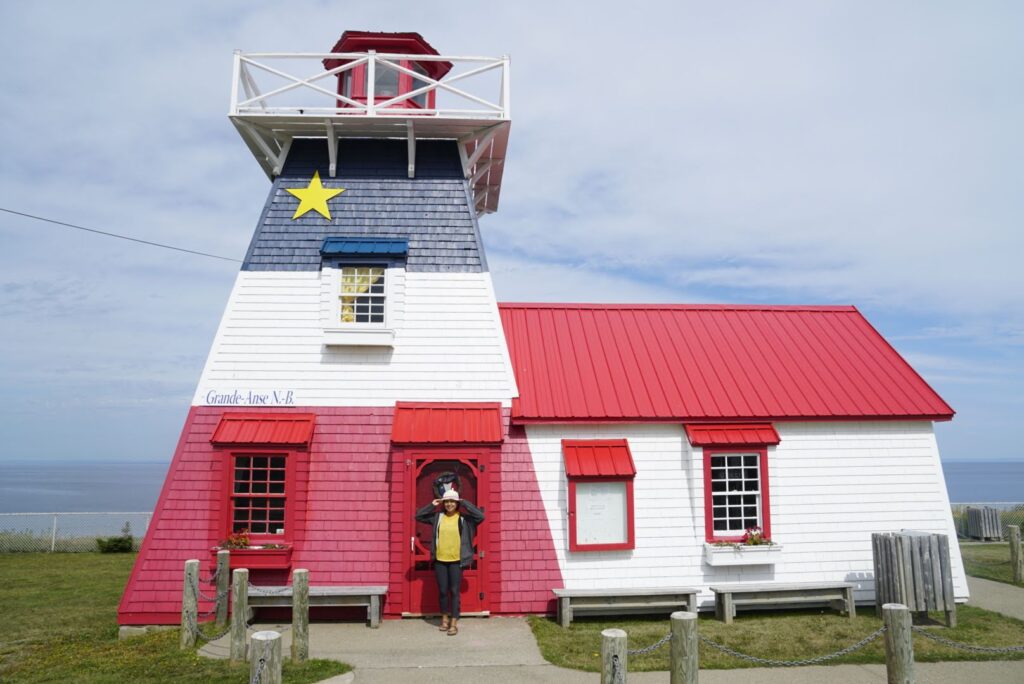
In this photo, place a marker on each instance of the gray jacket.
(469, 517)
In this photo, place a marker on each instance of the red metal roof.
(726, 434)
(588, 362)
(285, 429)
(446, 423)
(597, 458)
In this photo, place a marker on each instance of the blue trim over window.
(357, 247)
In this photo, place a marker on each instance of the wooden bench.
(622, 601)
(730, 596)
(281, 597)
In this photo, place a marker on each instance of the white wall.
(448, 344)
(830, 485)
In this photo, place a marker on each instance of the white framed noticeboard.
(602, 513)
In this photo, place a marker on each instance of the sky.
(865, 153)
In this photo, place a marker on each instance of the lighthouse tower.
(360, 360)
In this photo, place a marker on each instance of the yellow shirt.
(448, 541)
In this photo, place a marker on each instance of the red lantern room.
(388, 81)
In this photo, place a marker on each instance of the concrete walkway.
(501, 650)
(997, 597)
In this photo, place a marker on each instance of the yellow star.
(314, 197)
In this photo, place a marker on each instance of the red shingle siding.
(341, 502)
(579, 362)
(349, 525)
(525, 567)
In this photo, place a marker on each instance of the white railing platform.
(277, 97)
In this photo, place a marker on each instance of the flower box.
(259, 558)
(738, 554)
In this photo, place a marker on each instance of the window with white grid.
(735, 493)
(258, 494)
(362, 295)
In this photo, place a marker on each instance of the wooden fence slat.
(928, 588)
(947, 581)
(876, 561)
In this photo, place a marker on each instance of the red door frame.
(430, 455)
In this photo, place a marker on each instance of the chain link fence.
(1010, 513)
(68, 532)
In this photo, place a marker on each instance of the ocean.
(87, 486)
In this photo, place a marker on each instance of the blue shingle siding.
(431, 212)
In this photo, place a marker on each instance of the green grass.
(988, 561)
(788, 635)
(60, 625)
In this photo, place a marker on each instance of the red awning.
(732, 434)
(597, 458)
(270, 429)
(446, 423)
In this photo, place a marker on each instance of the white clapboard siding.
(448, 343)
(830, 486)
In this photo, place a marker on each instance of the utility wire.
(122, 237)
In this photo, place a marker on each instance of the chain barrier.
(653, 647)
(258, 674)
(817, 660)
(216, 598)
(267, 591)
(967, 647)
(212, 579)
(198, 633)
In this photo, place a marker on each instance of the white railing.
(264, 85)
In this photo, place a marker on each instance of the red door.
(422, 598)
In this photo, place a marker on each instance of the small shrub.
(114, 544)
(122, 544)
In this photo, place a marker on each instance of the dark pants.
(449, 579)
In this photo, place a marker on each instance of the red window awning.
(746, 434)
(446, 423)
(264, 429)
(597, 458)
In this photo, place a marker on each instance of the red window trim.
(291, 457)
(359, 90)
(630, 542)
(766, 520)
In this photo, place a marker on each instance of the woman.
(452, 550)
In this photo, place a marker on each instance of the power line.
(122, 237)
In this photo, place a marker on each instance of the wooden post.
(190, 604)
(613, 656)
(899, 644)
(1016, 557)
(223, 580)
(265, 658)
(683, 648)
(300, 615)
(239, 613)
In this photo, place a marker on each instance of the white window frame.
(337, 333)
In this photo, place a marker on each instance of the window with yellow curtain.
(362, 294)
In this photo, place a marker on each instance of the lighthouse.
(360, 356)
(624, 455)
